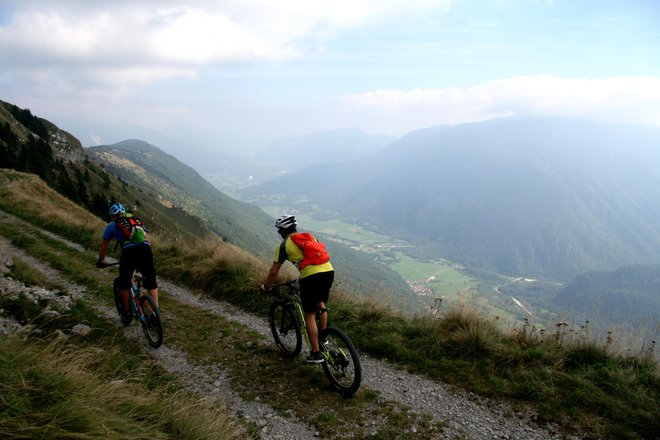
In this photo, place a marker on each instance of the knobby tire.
(152, 327)
(285, 328)
(342, 366)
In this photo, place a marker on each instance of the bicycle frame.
(151, 323)
(291, 295)
(135, 292)
(288, 325)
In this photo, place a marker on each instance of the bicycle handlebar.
(272, 291)
(290, 283)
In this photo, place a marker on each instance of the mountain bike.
(287, 321)
(142, 307)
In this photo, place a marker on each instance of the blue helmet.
(117, 209)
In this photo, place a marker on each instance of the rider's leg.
(146, 267)
(153, 293)
(323, 317)
(312, 331)
(124, 295)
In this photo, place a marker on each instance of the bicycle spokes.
(285, 329)
(285, 324)
(151, 324)
(342, 366)
(336, 358)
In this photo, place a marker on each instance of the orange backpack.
(314, 251)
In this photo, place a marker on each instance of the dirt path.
(466, 416)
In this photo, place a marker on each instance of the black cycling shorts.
(315, 289)
(137, 257)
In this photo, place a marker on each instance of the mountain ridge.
(520, 197)
(237, 222)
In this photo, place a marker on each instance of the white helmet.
(285, 222)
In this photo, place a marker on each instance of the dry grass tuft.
(55, 391)
(27, 190)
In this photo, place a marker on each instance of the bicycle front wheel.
(285, 328)
(342, 364)
(126, 317)
(151, 324)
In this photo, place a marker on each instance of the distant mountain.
(630, 294)
(520, 197)
(224, 169)
(147, 166)
(321, 147)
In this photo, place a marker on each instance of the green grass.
(290, 386)
(445, 281)
(209, 340)
(566, 382)
(97, 387)
(578, 383)
(56, 390)
(573, 383)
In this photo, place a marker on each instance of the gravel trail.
(467, 416)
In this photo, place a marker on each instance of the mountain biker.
(133, 256)
(315, 283)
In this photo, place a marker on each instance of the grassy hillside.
(34, 145)
(247, 226)
(146, 166)
(60, 387)
(571, 379)
(172, 198)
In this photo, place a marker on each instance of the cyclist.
(133, 256)
(315, 282)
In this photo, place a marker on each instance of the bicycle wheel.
(126, 317)
(151, 325)
(342, 364)
(285, 328)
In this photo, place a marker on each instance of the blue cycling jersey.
(112, 230)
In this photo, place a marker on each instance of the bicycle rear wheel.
(342, 364)
(151, 324)
(126, 317)
(285, 328)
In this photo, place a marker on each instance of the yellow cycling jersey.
(288, 250)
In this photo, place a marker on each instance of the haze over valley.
(484, 173)
(518, 207)
(510, 215)
(502, 154)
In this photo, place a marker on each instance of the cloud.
(154, 40)
(621, 99)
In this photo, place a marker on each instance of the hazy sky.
(237, 74)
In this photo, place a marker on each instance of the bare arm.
(103, 250)
(272, 275)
